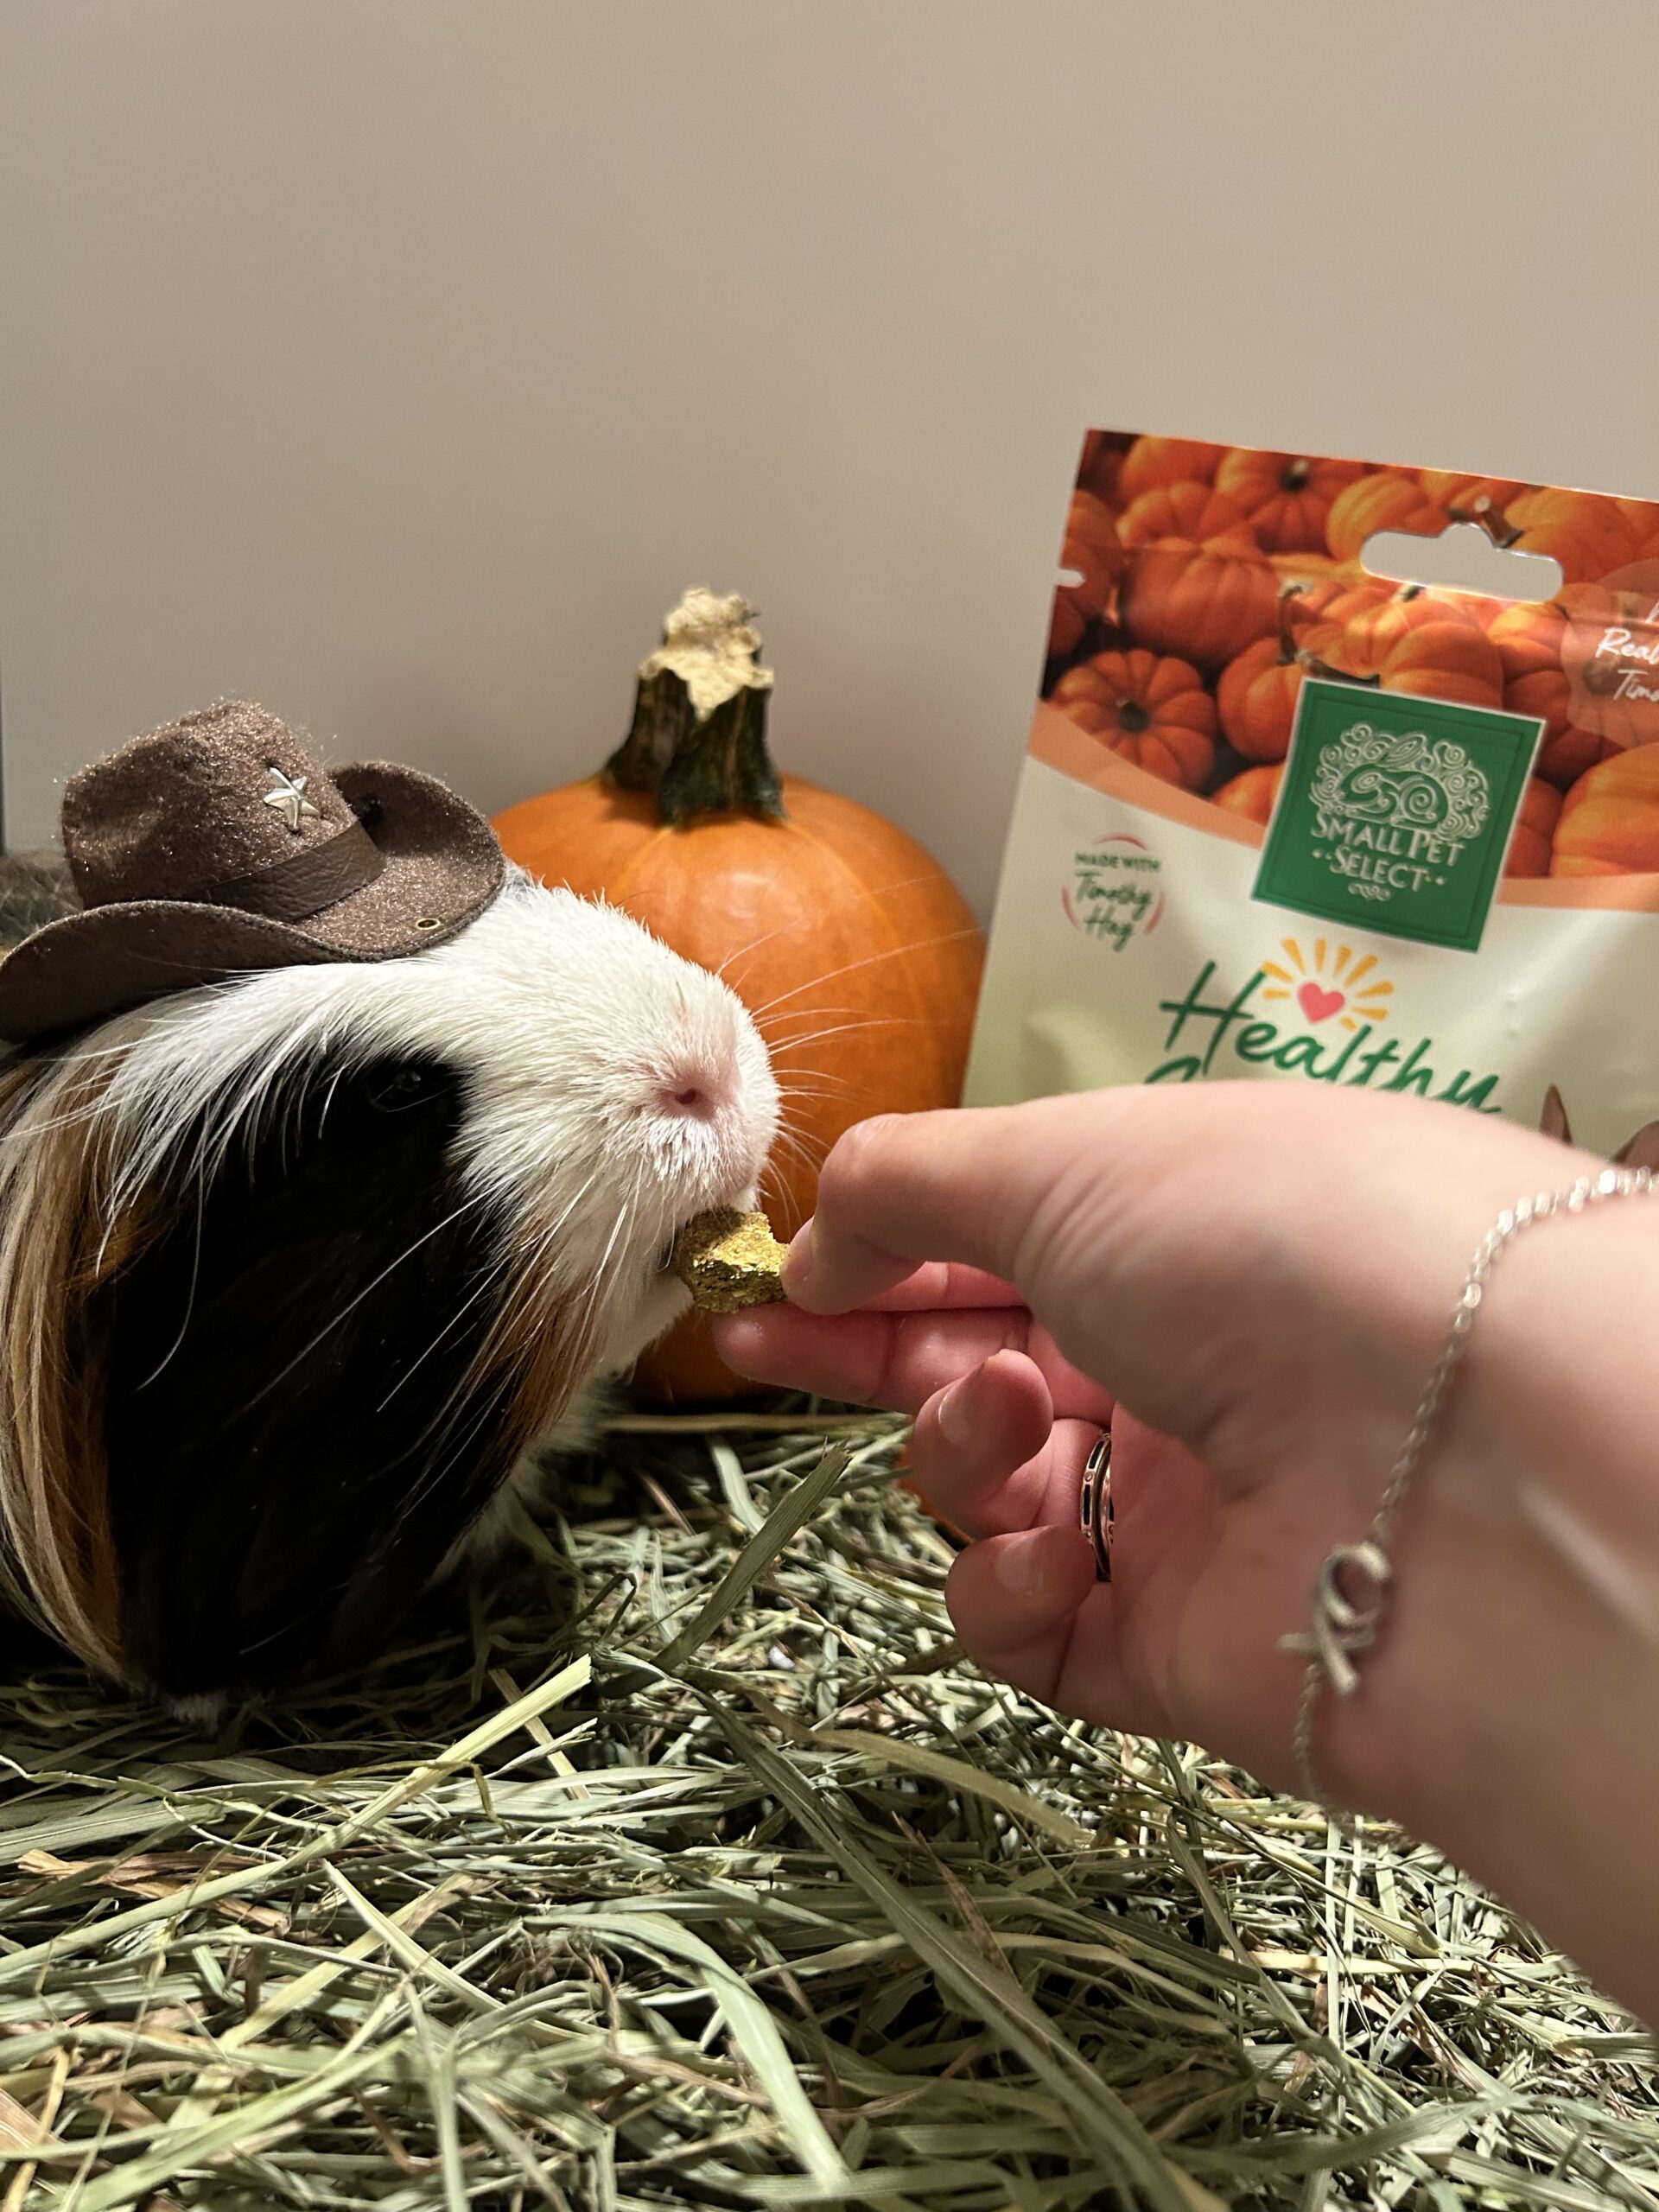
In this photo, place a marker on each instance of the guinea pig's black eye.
(403, 1086)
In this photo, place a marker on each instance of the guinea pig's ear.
(302, 1416)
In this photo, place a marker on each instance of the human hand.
(1261, 1278)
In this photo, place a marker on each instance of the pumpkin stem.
(1311, 664)
(1132, 717)
(1295, 472)
(1484, 512)
(1288, 594)
(698, 740)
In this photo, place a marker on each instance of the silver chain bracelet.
(1351, 1591)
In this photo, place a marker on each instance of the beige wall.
(399, 360)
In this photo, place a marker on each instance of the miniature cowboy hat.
(218, 846)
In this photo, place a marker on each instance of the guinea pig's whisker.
(489, 1282)
(624, 1219)
(811, 1162)
(851, 892)
(816, 1082)
(525, 1293)
(480, 1406)
(347, 1311)
(855, 1017)
(871, 960)
(793, 1149)
(832, 1029)
(789, 1076)
(528, 1267)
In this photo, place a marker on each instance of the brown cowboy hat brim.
(441, 867)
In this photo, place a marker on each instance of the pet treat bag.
(1282, 817)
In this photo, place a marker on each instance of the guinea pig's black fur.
(261, 1534)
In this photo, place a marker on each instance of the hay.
(693, 1867)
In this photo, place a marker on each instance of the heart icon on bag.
(1318, 1004)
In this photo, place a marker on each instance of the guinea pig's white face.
(611, 1090)
(615, 1091)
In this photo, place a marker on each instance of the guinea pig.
(301, 1268)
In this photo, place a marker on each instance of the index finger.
(941, 1286)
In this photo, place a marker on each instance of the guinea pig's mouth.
(742, 1201)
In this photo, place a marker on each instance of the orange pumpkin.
(1609, 821)
(1101, 466)
(1305, 569)
(1309, 595)
(1529, 636)
(857, 955)
(1375, 625)
(1092, 547)
(1342, 600)
(1534, 826)
(1151, 462)
(1388, 499)
(1258, 692)
(1609, 653)
(1360, 631)
(1337, 625)
(1589, 536)
(1154, 712)
(1201, 599)
(1253, 793)
(1446, 660)
(1189, 510)
(1643, 515)
(1257, 699)
(1470, 499)
(1285, 497)
(1067, 625)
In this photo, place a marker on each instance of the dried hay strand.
(690, 1865)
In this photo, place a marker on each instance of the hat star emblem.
(289, 798)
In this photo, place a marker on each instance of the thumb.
(962, 1186)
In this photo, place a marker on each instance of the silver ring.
(1095, 1505)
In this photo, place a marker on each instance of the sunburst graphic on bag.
(1326, 981)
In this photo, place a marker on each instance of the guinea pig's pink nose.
(692, 1092)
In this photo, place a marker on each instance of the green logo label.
(1396, 813)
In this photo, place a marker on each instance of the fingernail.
(1020, 1567)
(1038, 1569)
(797, 1262)
(955, 1413)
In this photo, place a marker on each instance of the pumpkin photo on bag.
(1529, 637)
(1609, 822)
(1384, 499)
(1154, 712)
(1200, 588)
(1272, 753)
(1285, 497)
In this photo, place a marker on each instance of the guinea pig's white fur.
(612, 1091)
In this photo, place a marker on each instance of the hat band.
(302, 883)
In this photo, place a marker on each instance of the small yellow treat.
(728, 1261)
